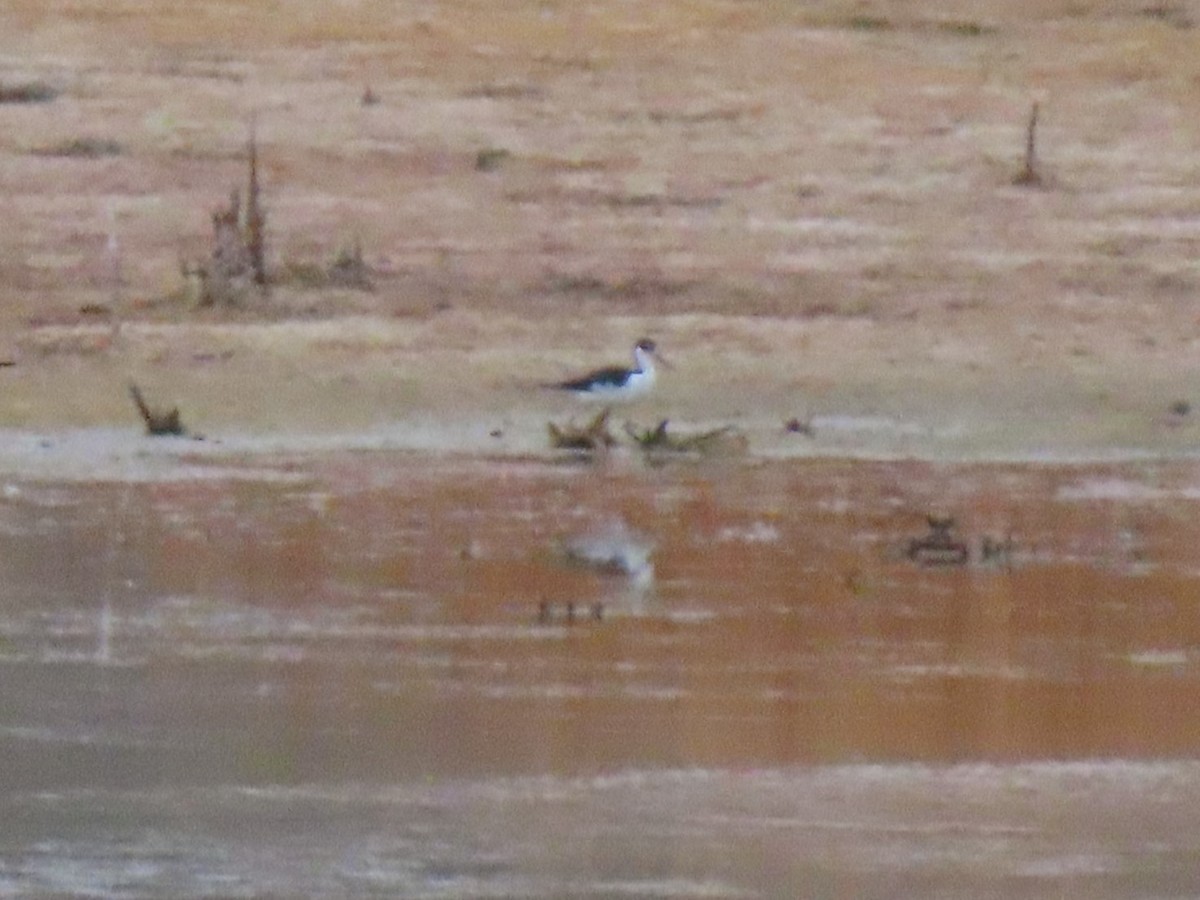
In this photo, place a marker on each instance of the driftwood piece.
(158, 422)
(725, 440)
(592, 436)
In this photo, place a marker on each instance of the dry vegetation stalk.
(1029, 174)
(256, 218)
(238, 258)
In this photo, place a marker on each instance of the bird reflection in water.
(617, 552)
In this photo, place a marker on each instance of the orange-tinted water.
(378, 674)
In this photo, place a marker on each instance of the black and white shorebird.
(616, 383)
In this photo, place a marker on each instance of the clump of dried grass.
(966, 28)
(226, 278)
(869, 23)
(83, 148)
(1173, 14)
(490, 159)
(28, 92)
(629, 286)
(237, 262)
(348, 269)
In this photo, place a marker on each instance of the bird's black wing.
(611, 377)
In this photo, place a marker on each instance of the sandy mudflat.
(469, 383)
(809, 205)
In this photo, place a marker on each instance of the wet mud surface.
(363, 674)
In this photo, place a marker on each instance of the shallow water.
(375, 674)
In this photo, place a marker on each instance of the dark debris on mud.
(596, 436)
(942, 547)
